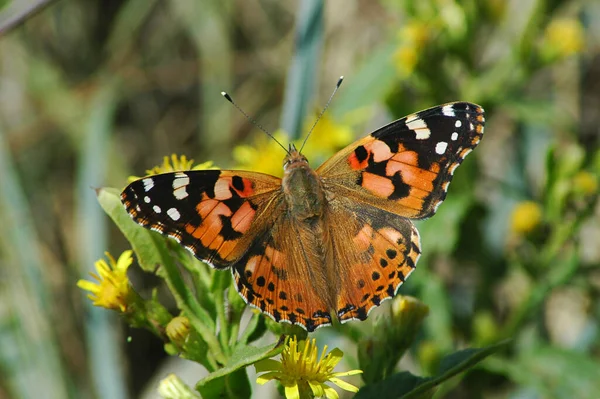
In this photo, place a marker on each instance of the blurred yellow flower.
(585, 183)
(113, 289)
(178, 330)
(263, 155)
(412, 37)
(301, 370)
(563, 37)
(173, 164)
(406, 59)
(526, 216)
(416, 33)
(266, 156)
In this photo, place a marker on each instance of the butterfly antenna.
(254, 122)
(337, 86)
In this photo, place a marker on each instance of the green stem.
(223, 325)
(186, 300)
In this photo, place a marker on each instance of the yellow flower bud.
(526, 216)
(563, 37)
(178, 330)
(585, 183)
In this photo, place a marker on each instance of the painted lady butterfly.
(337, 240)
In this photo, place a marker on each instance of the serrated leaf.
(406, 385)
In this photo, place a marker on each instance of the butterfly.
(332, 242)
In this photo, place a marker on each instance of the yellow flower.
(563, 37)
(413, 37)
(585, 183)
(300, 370)
(113, 289)
(174, 164)
(263, 155)
(526, 216)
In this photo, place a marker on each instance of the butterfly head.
(294, 159)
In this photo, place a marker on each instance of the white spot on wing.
(420, 127)
(454, 136)
(179, 184)
(147, 199)
(173, 213)
(440, 147)
(148, 184)
(458, 123)
(180, 193)
(448, 110)
(157, 209)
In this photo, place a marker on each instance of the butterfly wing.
(383, 250)
(239, 220)
(406, 166)
(282, 275)
(215, 214)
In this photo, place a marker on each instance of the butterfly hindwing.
(383, 250)
(282, 276)
(210, 212)
(406, 166)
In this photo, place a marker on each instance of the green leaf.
(239, 359)
(407, 385)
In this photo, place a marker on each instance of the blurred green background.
(94, 91)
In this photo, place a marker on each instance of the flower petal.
(343, 384)
(331, 393)
(292, 391)
(345, 373)
(267, 365)
(273, 375)
(317, 388)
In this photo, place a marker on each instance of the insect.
(332, 242)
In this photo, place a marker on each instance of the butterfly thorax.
(302, 187)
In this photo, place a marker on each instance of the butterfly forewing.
(406, 166)
(212, 213)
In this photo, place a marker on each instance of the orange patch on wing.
(392, 235)
(407, 157)
(355, 163)
(205, 207)
(248, 188)
(242, 218)
(378, 185)
(227, 248)
(411, 203)
(412, 175)
(380, 151)
(209, 231)
(363, 239)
